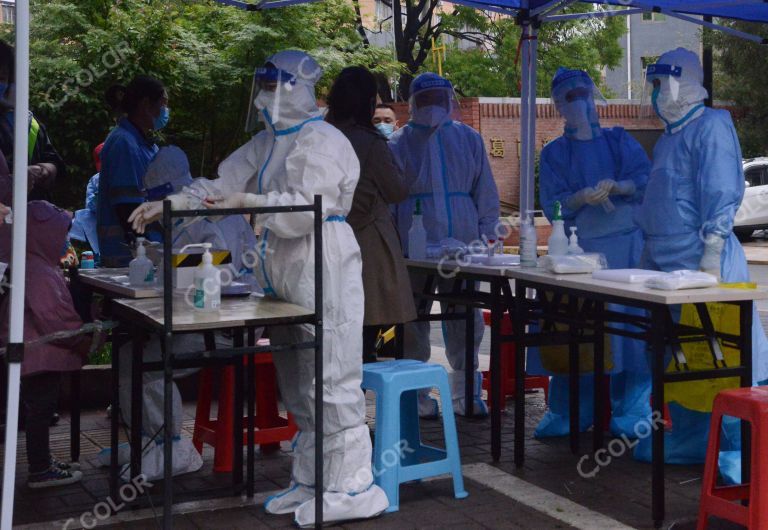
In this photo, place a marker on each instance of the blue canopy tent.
(530, 14)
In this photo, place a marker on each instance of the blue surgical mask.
(162, 120)
(387, 129)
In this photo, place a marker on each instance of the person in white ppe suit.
(695, 187)
(298, 156)
(446, 167)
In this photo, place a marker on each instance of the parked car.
(753, 213)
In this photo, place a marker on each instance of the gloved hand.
(622, 187)
(145, 214)
(590, 196)
(710, 261)
(236, 200)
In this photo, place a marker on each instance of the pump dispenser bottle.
(573, 245)
(557, 245)
(141, 272)
(417, 235)
(207, 282)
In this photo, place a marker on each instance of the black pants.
(39, 396)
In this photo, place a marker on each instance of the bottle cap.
(558, 212)
(418, 207)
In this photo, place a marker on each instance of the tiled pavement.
(620, 491)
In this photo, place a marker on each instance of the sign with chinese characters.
(497, 147)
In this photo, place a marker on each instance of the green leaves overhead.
(204, 53)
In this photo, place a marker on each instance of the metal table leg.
(745, 329)
(574, 372)
(74, 426)
(658, 334)
(250, 391)
(599, 360)
(117, 343)
(469, 359)
(237, 465)
(519, 327)
(137, 358)
(497, 310)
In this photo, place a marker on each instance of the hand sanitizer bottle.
(207, 283)
(417, 235)
(573, 245)
(141, 272)
(528, 242)
(557, 245)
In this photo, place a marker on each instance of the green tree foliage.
(742, 80)
(490, 69)
(204, 52)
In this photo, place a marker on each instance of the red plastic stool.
(271, 427)
(747, 404)
(508, 366)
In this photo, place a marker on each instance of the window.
(7, 14)
(651, 59)
(650, 16)
(756, 176)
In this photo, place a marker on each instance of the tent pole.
(18, 260)
(708, 62)
(528, 117)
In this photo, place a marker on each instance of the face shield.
(661, 91)
(576, 96)
(270, 86)
(433, 101)
(168, 173)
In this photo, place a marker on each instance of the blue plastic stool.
(398, 455)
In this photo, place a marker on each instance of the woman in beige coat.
(388, 294)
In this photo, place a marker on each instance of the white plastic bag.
(573, 263)
(685, 279)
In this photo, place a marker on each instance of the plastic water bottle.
(87, 260)
(417, 235)
(557, 245)
(528, 242)
(141, 272)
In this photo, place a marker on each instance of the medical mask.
(387, 129)
(431, 115)
(672, 112)
(162, 120)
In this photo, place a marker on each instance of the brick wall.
(501, 121)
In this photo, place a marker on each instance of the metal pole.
(319, 483)
(18, 260)
(167, 367)
(525, 140)
(707, 62)
(528, 117)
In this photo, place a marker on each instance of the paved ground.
(535, 496)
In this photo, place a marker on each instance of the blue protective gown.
(84, 223)
(446, 168)
(695, 188)
(567, 166)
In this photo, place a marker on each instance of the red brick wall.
(502, 120)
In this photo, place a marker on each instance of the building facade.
(648, 36)
(7, 11)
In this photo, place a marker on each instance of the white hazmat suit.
(296, 157)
